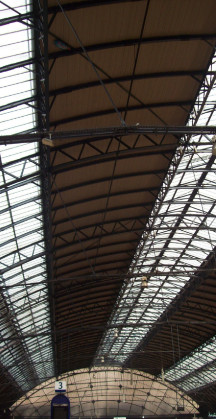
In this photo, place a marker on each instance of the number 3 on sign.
(60, 386)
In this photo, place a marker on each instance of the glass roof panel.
(195, 370)
(22, 248)
(181, 236)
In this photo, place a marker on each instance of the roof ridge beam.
(86, 4)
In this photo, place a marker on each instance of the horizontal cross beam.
(108, 132)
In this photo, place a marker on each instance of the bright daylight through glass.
(24, 296)
(181, 236)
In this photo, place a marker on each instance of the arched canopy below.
(108, 392)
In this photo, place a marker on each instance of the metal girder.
(41, 53)
(68, 316)
(129, 43)
(30, 277)
(108, 132)
(117, 177)
(100, 159)
(102, 211)
(22, 249)
(21, 262)
(94, 299)
(25, 234)
(94, 285)
(22, 180)
(30, 157)
(19, 204)
(145, 76)
(106, 233)
(76, 286)
(79, 185)
(40, 46)
(107, 140)
(75, 279)
(102, 156)
(86, 4)
(80, 328)
(124, 263)
(100, 225)
(30, 217)
(19, 64)
(98, 197)
(101, 255)
(25, 101)
(192, 216)
(110, 111)
(16, 18)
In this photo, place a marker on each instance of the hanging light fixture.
(116, 333)
(144, 282)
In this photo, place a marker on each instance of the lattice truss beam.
(180, 235)
(24, 307)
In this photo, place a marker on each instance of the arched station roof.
(108, 179)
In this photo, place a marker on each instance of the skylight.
(24, 296)
(196, 369)
(181, 234)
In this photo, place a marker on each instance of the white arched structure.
(109, 392)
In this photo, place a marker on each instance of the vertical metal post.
(42, 86)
